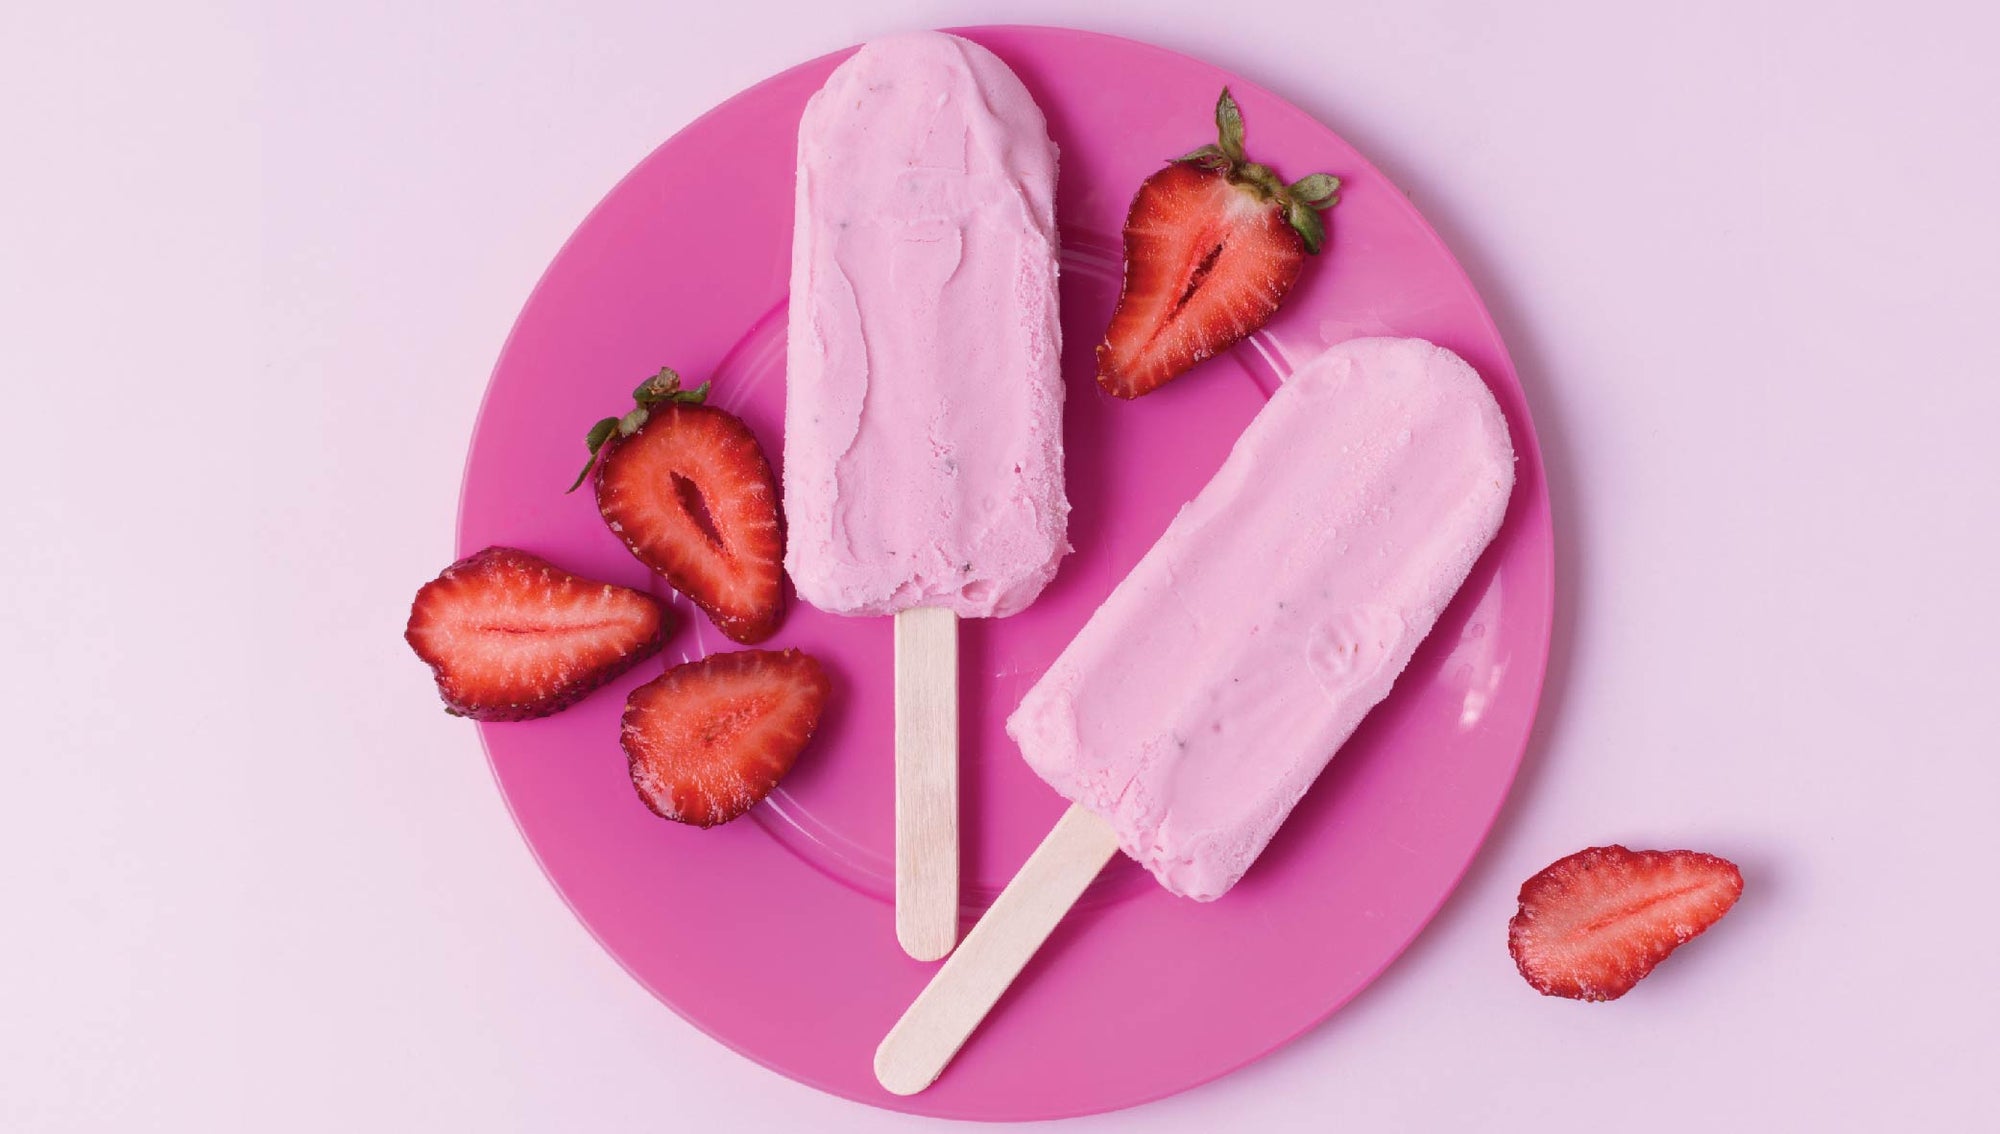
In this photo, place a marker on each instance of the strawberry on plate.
(510, 636)
(1213, 243)
(1594, 924)
(709, 739)
(687, 488)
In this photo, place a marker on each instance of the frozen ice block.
(1206, 694)
(923, 414)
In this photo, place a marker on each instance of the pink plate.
(774, 934)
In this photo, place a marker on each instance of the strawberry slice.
(687, 488)
(1594, 924)
(1213, 243)
(709, 739)
(510, 637)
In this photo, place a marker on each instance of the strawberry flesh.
(707, 740)
(1594, 924)
(510, 637)
(1207, 261)
(691, 494)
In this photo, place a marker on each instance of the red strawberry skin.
(511, 637)
(692, 495)
(1207, 261)
(708, 740)
(1594, 924)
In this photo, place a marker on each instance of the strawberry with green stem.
(688, 490)
(1213, 244)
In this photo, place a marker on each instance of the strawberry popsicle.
(1206, 694)
(923, 412)
(1203, 698)
(923, 415)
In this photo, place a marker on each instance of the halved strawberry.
(1594, 924)
(511, 637)
(709, 739)
(1213, 243)
(687, 488)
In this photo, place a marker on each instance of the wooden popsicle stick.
(960, 994)
(927, 781)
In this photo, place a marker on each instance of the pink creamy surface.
(923, 416)
(1205, 695)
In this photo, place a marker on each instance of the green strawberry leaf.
(594, 440)
(1229, 126)
(1316, 189)
(1305, 219)
(1209, 156)
(666, 387)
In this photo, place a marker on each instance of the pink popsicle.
(1211, 688)
(923, 411)
(1207, 693)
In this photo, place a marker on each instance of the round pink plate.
(774, 934)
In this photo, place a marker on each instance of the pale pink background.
(254, 269)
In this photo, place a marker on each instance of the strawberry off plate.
(775, 934)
